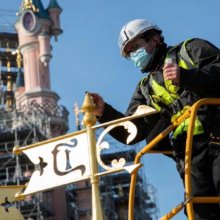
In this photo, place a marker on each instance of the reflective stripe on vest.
(168, 94)
(185, 61)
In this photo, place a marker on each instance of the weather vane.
(74, 157)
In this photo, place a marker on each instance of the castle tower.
(35, 26)
(54, 11)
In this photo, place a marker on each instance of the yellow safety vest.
(167, 94)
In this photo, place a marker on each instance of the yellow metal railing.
(191, 114)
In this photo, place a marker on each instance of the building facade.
(29, 110)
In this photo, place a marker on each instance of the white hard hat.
(132, 29)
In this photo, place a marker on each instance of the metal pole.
(89, 120)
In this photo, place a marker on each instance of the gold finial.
(16, 150)
(28, 4)
(9, 94)
(9, 83)
(8, 66)
(19, 59)
(88, 107)
(19, 196)
(88, 104)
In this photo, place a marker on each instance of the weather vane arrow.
(59, 161)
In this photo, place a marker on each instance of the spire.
(20, 79)
(54, 11)
(36, 6)
(54, 5)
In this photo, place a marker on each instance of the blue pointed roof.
(20, 79)
(42, 13)
(54, 4)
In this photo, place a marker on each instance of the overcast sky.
(86, 58)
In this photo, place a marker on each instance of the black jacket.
(204, 81)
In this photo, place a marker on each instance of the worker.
(175, 78)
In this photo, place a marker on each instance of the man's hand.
(171, 71)
(100, 104)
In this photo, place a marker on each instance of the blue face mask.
(140, 58)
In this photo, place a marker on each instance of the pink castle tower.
(35, 26)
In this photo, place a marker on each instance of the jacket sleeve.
(145, 126)
(205, 78)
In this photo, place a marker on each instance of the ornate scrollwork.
(101, 145)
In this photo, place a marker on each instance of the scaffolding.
(117, 186)
(16, 170)
(20, 127)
